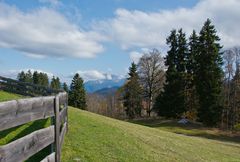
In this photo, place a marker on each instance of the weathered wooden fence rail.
(17, 112)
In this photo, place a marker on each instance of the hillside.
(93, 138)
(4, 96)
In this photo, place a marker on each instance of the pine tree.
(65, 87)
(208, 75)
(191, 99)
(132, 93)
(36, 77)
(25, 77)
(29, 77)
(55, 83)
(181, 63)
(171, 103)
(40, 79)
(77, 94)
(166, 101)
(21, 76)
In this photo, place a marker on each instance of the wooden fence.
(17, 112)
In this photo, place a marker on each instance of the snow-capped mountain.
(109, 82)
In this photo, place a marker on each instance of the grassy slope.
(190, 129)
(12, 134)
(5, 96)
(93, 138)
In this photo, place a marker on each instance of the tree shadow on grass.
(190, 129)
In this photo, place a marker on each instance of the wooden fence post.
(67, 110)
(57, 129)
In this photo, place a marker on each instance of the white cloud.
(13, 73)
(90, 75)
(52, 2)
(135, 56)
(45, 32)
(150, 29)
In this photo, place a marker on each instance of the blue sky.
(94, 37)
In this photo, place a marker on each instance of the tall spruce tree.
(133, 93)
(77, 94)
(166, 102)
(181, 63)
(208, 75)
(171, 102)
(191, 99)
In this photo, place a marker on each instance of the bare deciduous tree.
(151, 71)
(231, 86)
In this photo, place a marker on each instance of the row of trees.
(77, 94)
(194, 76)
(189, 82)
(40, 78)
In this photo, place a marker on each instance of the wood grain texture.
(63, 115)
(17, 112)
(62, 134)
(27, 146)
(57, 129)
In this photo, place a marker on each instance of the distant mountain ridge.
(112, 81)
(107, 91)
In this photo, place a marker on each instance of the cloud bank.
(13, 73)
(134, 28)
(45, 32)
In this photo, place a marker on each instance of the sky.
(99, 37)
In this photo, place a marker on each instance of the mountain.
(110, 82)
(106, 91)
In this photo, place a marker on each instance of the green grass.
(12, 134)
(92, 137)
(190, 129)
(5, 96)
(95, 138)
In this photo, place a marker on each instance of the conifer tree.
(191, 99)
(65, 87)
(40, 78)
(25, 77)
(29, 77)
(181, 63)
(133, 93)
(208, 75)
(21, 76)
(171, 103)
(77, 94)
(166, 102)
(55, 83)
